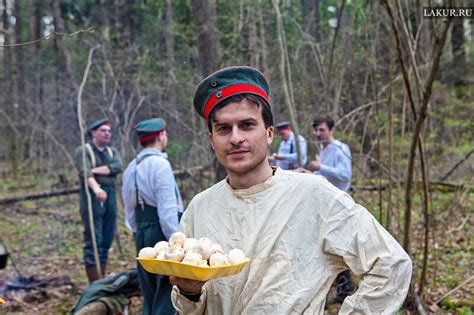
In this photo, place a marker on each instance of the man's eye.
(222, 128)
(247, 125)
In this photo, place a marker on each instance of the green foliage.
(176, 149)
(465, 311)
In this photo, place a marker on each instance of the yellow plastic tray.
(177, 269)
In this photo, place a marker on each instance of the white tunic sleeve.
(371, 253)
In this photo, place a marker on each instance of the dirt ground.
(44, 239)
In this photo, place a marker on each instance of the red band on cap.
(150, 136)
(283, 127)
(232, 90)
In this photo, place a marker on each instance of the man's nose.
(236, 136)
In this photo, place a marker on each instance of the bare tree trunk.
(8, 100)
(170, 95)
(60, 27)
(262, 36)
(205, 19)
(416, 134)
(312, 23)
(81, 127)
(390, 140)
(458, 63)
(286, 78)
(18, 51)
(253, 38)
(204, 12)
(333, 46)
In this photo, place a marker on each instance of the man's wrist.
(192, 296)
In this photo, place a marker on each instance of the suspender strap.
(90, 151)
(137, 162)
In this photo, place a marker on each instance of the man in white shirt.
(152, 205)
(298, 230)
(287, 157)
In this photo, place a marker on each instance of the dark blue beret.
(96, 124)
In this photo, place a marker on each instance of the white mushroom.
(203, 249)
(203, 263)
(189, 243)
(205, 240)
(192, 258)
(161, 245)
(147, 252)
(161, 254)
(174, 253)
(216, 248)
(177, 239)
(236, 256)
(218, 259)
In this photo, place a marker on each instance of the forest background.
(398, 85)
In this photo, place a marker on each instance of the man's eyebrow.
(219, 124)
(248, 120)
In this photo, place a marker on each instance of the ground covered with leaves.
(44, 238)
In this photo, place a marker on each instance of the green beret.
(282, 125)
(228, 82)
(148, 129)
(96, 124)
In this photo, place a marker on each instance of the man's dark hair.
(323, 119)
(151, 141)
(257, 100)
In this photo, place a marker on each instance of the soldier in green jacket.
(103, 164)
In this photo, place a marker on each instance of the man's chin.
(238, 167)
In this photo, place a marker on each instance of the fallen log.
(182, 173)
(40, 195)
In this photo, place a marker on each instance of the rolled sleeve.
(80, 165)
(115, 165)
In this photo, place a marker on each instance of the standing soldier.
(287, 157)
(103, 164)
(152, 205)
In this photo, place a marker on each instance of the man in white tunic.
(152, 205)
(287, 156)
(298, 230)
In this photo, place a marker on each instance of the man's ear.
(270, 134)
(209, 137)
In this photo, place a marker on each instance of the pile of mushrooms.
(198, 252)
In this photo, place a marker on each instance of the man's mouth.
(236, 152)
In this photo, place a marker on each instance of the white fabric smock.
(287, 149)
(157, 188)
(299, 232)
(336, 165)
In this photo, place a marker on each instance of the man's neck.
(157, 146)
(327, 143)
(258, 175)
(99, 146)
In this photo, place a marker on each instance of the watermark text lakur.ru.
(441, 13)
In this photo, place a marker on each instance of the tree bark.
(286, 78)
(204, 12)
(458, 63)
